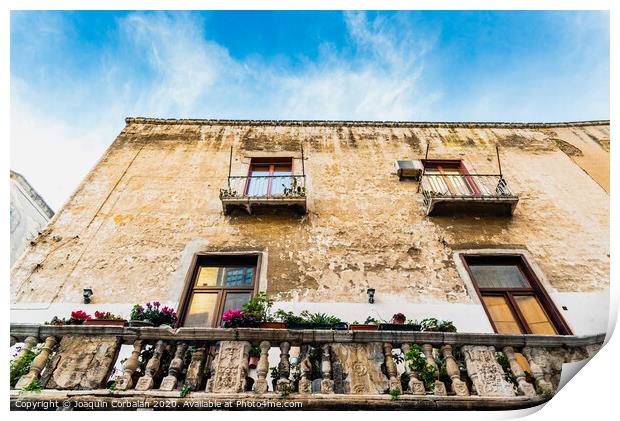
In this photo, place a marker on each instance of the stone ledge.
(172, 401)
(294, 336)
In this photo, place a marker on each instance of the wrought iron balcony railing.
(271, 190)
(321, 369)
(447, 193)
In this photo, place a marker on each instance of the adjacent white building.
(29, 214)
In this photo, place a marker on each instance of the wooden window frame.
(190, 280)
(272, 162)
(536, 289)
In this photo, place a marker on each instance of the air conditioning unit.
(409, 169)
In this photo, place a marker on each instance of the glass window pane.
(236, 300)
(201, 310)
(498, 276)
(535, 316)
(207, 276)
(501, 314)
(234, 277)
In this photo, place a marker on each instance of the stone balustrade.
(321, 368)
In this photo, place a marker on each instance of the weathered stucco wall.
(156, 190)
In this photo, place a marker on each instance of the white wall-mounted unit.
(409, 168)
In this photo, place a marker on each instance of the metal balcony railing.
(265, 187)
(320, 368)
(491, 189)
(247, 192)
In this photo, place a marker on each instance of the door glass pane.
(501, 314)
(202, 310)
(207, 276)
(281, 179)
(236, 300)
(535, 315)
(499, 276)
(258, 182)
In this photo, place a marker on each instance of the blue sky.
(76, 75)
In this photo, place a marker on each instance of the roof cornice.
(420, 124)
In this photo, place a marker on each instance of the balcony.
(260, 192)
(189, 368)
(474, 194)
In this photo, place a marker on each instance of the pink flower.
(156, 303)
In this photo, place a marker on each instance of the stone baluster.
(327, 384)
(440, 388)
(125, 381)
(29, 343)
(284, 367)
(459, 387)
(305, 383)
(391, 370)
(416, 386)
(176, 366)
(38, 364)
(193, 376)
(262, 368)
(147, 381)
(537, 372)
(524, 387)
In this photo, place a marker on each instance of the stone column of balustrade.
(524, 387)
(459, 387)
(262, 368)
(539, 376)
(125, 380)
(327, 384)
(440, 388)
(195, 369)
(147, 381)
(284, 367)
(176, 366)
(29, 343)
(38, 364)
(390, 368)
(305, 365)
(416, 386)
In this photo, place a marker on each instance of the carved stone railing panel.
(486, 374)
(230, 367)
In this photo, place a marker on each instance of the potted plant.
(400, 323)
(106, 318)
(259, 308)
(369, 324)
(254, 356)
(152, 315)
(237, 318)
(78, 317)
(433, 325)
(307, 320)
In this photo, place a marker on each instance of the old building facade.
(501, 228)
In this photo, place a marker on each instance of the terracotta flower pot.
(140, 323)
(363, 327)
(95, 322)
(253, 362)
(272, 325)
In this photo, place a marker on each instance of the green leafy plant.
(254, 352)
(21, 366)
(184, 391)
(34, 386)
(273, 372)
(259, 308)
(112, 386)
(432, 324)
(427, 373)
(319, 318)
(288, 317)
(394, 394)
(229, 192)
(285, 389)
(502, 360)
(371, 321)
